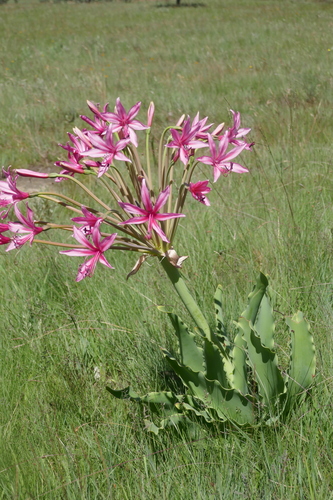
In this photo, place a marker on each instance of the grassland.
(62, 436)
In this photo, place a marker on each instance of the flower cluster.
(148, 199)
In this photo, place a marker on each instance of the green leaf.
(228, 403)
(215, 364)
(257, 325)
(199, 413)
(255, 298)
(239, 380)
(125, 393)
(190, 354)
(303, 358)
(165, 398)
(151, 427)
(176, 421)
(264, 364)
(219, 320)
(264, 323)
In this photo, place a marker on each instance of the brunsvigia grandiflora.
(141, 213)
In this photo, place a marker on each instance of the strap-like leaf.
(257, 325)
(165, 398)
(264, 323)
(219, 320)
(176, 420)
(303, 358)
(190, 354)
(199, 413)
(228, 403)
(125, 393)
(239, 379)
(255, 298)
(263, 362)
(216, 364)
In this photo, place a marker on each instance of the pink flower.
(235, 132)
(107, 149)
(25, 226)
(89, 221)
(72, 165)
(9, 193)
(185, 141)
(96, 249)
(80, 142)
(201, 126)
(198, 191)
(124, 122)
(220, 160)
(76, 153)
(99, 125)
(150, 214)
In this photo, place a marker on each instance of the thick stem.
(188, 300)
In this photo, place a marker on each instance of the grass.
(62, 436)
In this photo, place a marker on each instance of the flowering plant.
(144, 205)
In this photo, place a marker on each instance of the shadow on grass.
(165, 5)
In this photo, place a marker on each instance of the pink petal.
(162, 217)
(207, 160)
(212, 147)
(159, 231)
(240, 132)
(137, 125)
(132, 209)
(107, 242)
(103, 261)
(238, 169)
(161, 199)
(223, 144)
(134, 220)
(234, 152)
(120, 109)
(145, 197)
(183, 156)
(133, 111)
(79, 236)
(97, 153)
(78, 252)
(197, 144)
(102, 169)
(16, 227)
(96, 235)
(121, 157)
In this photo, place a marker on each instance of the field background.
(61, 434)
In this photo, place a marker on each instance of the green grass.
(62, 436)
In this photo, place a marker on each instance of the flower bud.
(31, 173)
(151, 111)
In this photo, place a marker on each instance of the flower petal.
(162, 199)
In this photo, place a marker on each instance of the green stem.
(82, 186)
(47, 195)
(186, 297)
(56, 244)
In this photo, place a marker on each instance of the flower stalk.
(186, 297)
